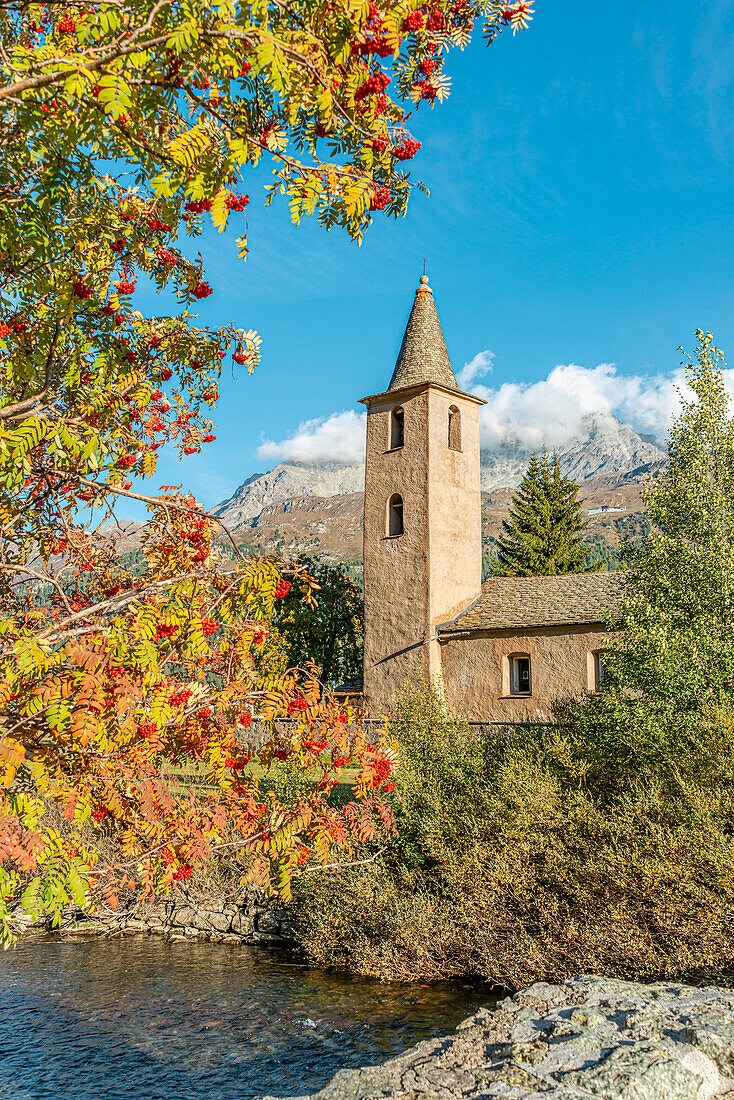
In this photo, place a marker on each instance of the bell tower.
(422, 510)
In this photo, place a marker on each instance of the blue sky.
(582, 183)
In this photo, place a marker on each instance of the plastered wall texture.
(429, 573)
(476, 671)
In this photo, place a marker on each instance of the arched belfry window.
(454, 429)
(397, 427)
(395, 515)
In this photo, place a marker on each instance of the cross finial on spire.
(424, 265)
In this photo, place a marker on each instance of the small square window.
(520, 676)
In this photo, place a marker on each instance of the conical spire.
(423, 356)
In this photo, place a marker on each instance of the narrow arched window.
(397, 428)
(395, 515)
(454, 429)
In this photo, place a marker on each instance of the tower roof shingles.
(423, 356)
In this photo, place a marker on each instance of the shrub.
(527, 858)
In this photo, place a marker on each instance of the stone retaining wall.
(251, 922)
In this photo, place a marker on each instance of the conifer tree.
(545, 530)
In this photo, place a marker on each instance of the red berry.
(406, 149)
(413, 22)
(198, 207)
(201, 290)
(237, 202)
(380, 198)
(80, 288)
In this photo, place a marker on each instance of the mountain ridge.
(603, 447)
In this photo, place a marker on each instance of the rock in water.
(589, 1037)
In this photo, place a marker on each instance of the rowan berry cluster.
(236, 202)
(186, 871)
(427, 91)
(209, 627)
(383, 768)
(125, 286)
(155, 225)
(375, 84)
(380, 198)
(315, 746)
(376, 44)
(180, 698)
(198, 207)
(16, 326)
(413, 22)
(282, 589)
(406, 150)
(201, 290)
(81, 289)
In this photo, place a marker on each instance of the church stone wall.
(476, 670)
(455, 504)
(395, 568)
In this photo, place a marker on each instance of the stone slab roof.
(353, 686)
(513, 603)
(423, 356)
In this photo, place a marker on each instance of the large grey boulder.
(587, 1038)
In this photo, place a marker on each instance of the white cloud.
(534, 414)
(549, 412)
(336, 438)
(476, 368)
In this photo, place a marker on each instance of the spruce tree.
(545, 530)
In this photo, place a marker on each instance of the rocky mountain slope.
(331, 527)
(317, 510)
(604, 446)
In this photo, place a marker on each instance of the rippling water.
(142, 1019)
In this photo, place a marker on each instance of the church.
(500, 651)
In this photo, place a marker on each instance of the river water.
(143, 1019)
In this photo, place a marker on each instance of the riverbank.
(251, 921)
(586, 1037)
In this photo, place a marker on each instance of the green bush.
(537, 856)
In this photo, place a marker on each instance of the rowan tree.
(545, 529)
(124, 125)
